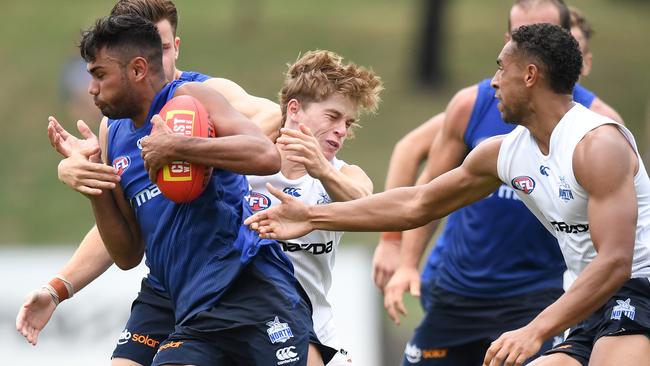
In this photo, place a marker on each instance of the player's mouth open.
(334, 144)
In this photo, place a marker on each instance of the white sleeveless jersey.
(313, 254)
(548, 187)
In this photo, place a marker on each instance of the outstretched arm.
(446, 152)
(605, 165)
(394, 210)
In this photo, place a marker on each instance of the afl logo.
(258, 202)
(524, 184)
(121, 164)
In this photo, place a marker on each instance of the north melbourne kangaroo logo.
(623, 308)
(278, 332)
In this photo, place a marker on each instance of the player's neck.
(545, 117)
(147, 94)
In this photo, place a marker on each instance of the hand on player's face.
(303, 148)
(285, 221)
(513, 348)
(405, 278)
(66, 144)
(156, 146)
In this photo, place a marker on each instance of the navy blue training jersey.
(194, 250)
(185, 76)
(496, 247)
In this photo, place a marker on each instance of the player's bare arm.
(116, 220)
(612, 210)
(240, 146)
(394, 210)
(446, 152)
(263, 112)
(88, 262)
(454, 126)
(409, 152)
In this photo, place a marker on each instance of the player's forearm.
(396, 210)
(341, 187)
(120, 240)
(410, 151)
(88, 262)
(403, 167)
(243, 154)
(414, 243)
(595, 285)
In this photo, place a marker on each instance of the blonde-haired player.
(321, 100)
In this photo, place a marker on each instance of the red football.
(181, 181)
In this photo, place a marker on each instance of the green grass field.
(227, 39)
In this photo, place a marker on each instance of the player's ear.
(532, 74)
(138, 68)
(293, 106)
(177, 45)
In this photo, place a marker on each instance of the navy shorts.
(150, 323)
(457, 330)
(626, 313)
(264, 318)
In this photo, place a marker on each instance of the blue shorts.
(626, 313)
(457, 330)
(264, 318)
(150, 323)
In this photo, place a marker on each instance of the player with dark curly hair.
(490, 270)
(580, 174)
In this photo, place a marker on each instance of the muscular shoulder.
(484, 158)
(602, 153)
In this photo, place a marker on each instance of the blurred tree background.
(251, 42)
